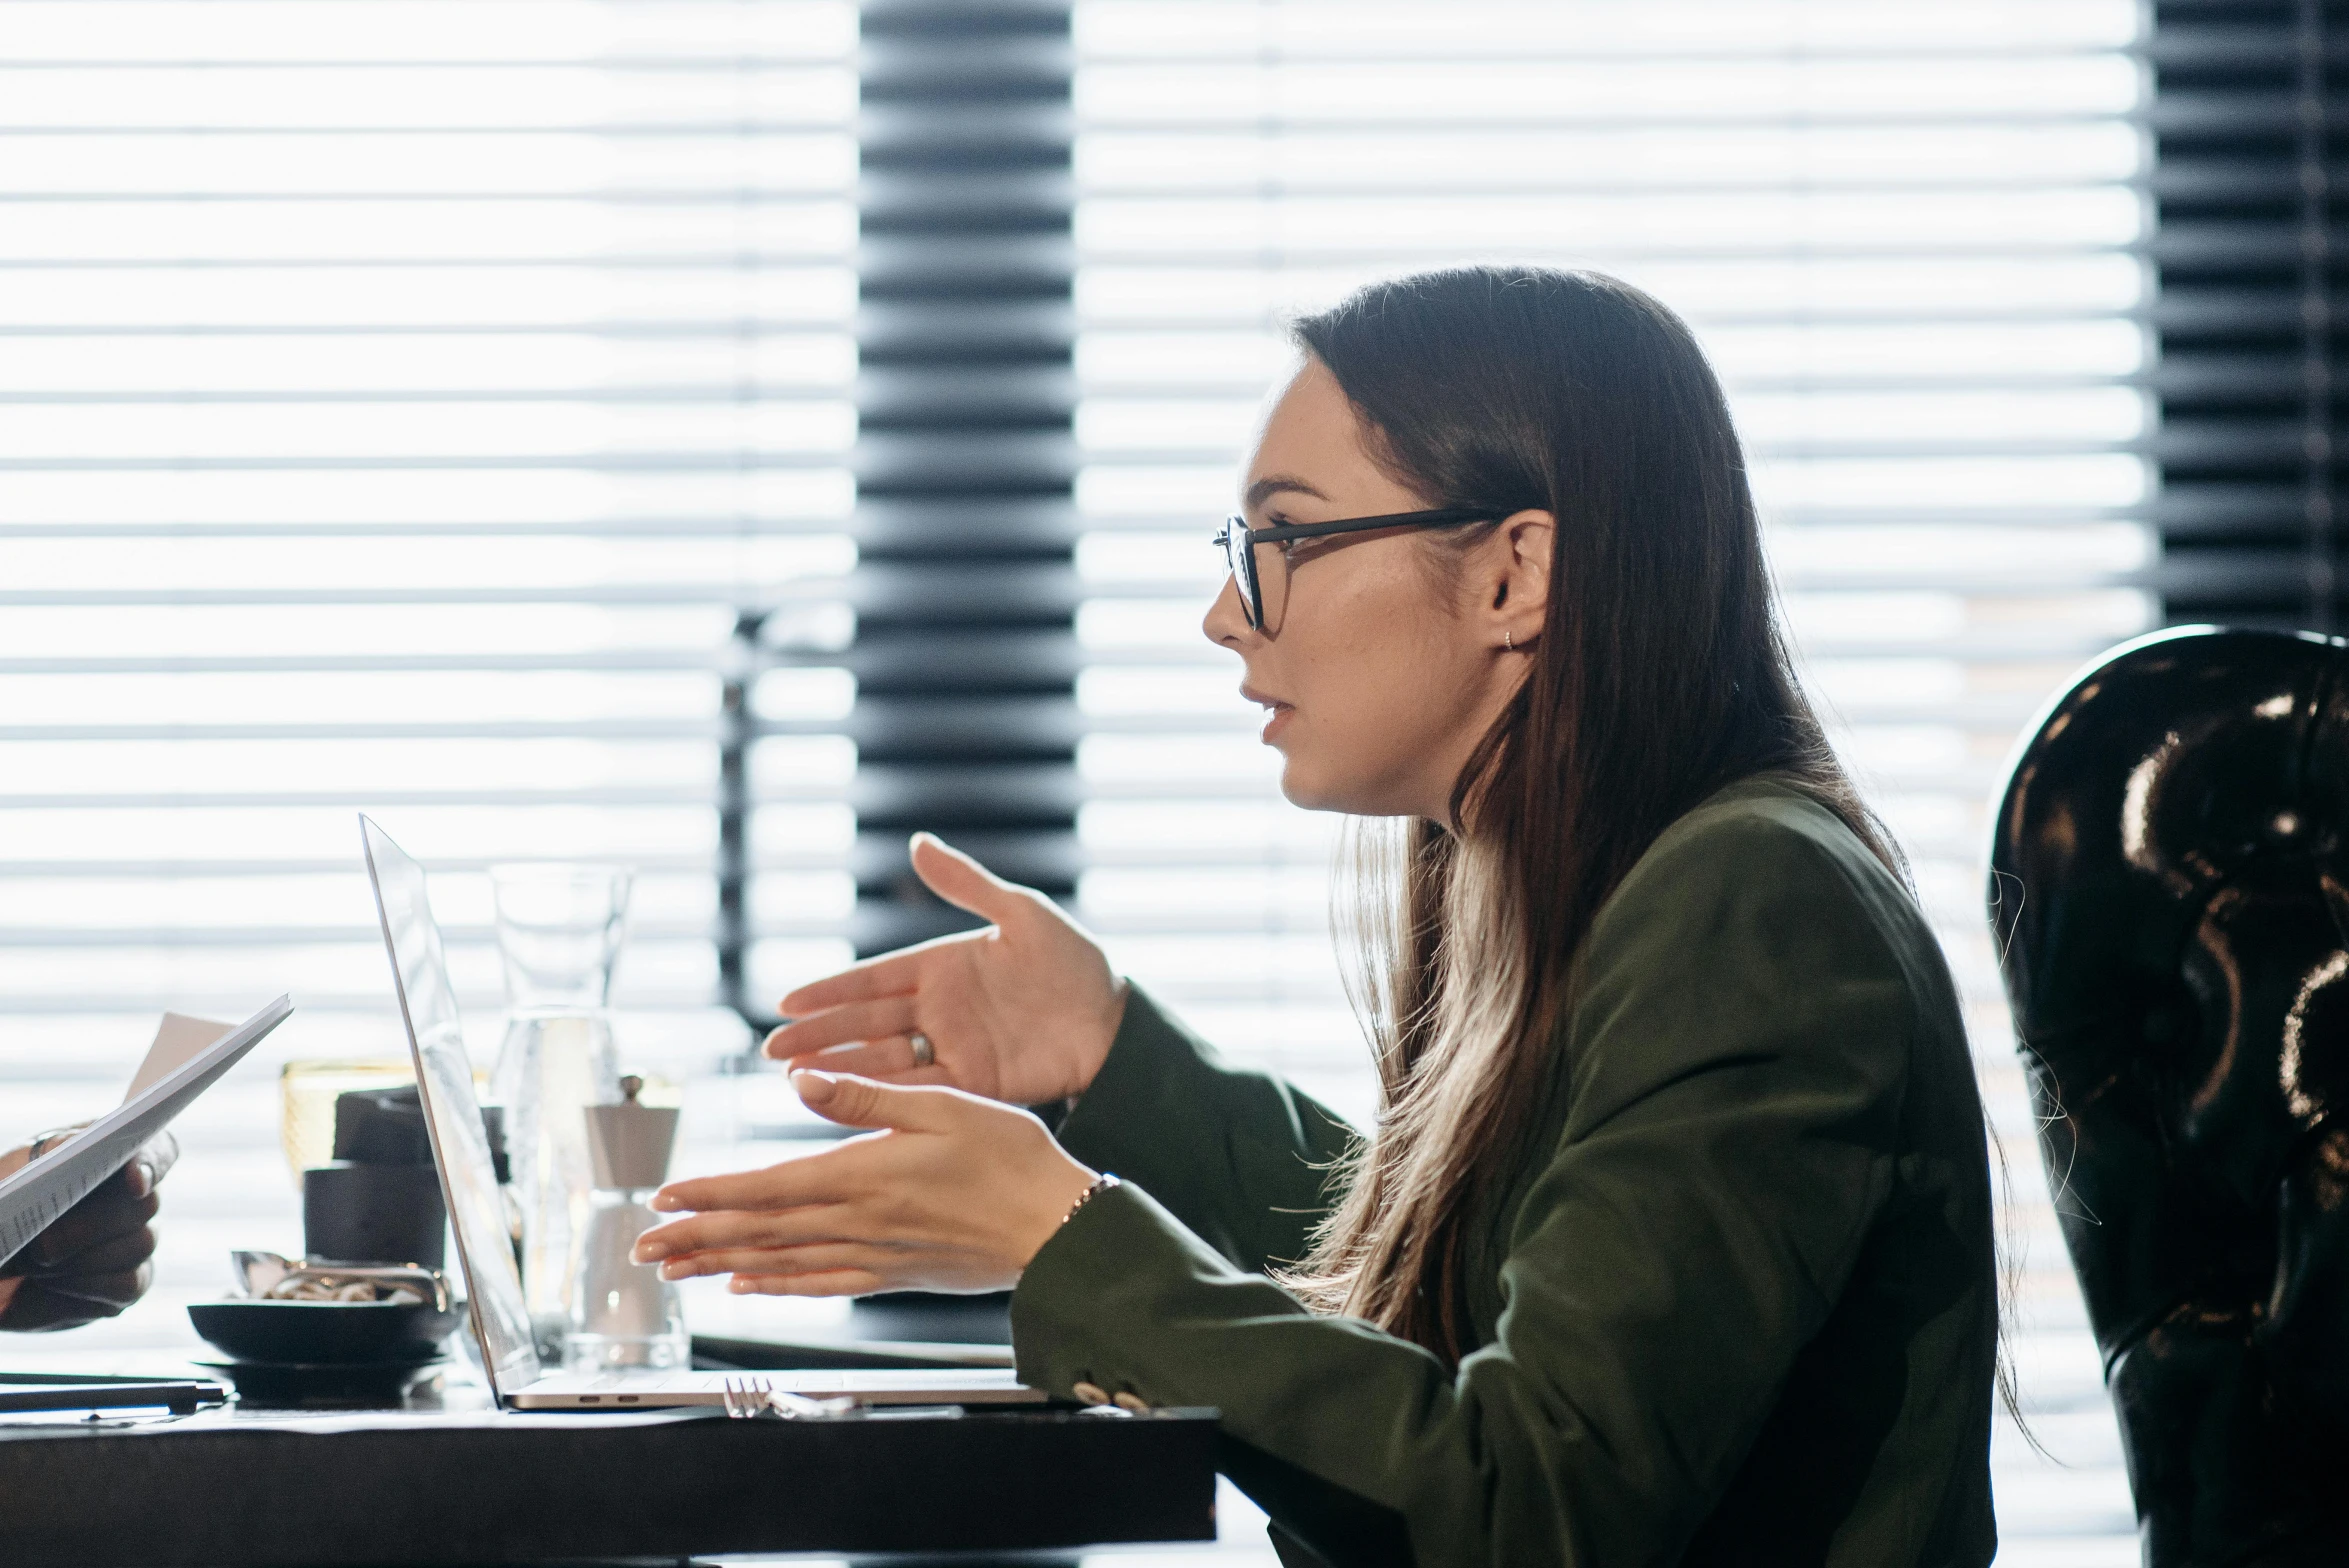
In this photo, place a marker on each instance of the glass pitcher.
(560, 928)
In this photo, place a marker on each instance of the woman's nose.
(1225, 623)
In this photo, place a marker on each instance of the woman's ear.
(1520, 598)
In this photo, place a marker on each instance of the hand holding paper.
(93, 1261)
(74, 1241)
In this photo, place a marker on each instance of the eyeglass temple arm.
(1447, 518)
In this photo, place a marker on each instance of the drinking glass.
(560, 930)
(306, 1092)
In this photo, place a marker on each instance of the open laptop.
(468, 1180)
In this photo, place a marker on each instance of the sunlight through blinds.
(1911, 238)
(398, 404)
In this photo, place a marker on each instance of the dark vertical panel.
(737, 734)
(2248, 181)
(965, 654)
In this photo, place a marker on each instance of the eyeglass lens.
(1259, 580)
(1240, 559)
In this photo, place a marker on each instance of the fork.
(750, 1398)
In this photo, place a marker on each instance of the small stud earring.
(1508, 641)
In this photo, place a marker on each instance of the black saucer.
(300, 1385)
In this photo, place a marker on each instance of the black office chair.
(2169, 886)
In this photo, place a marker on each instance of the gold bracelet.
(1101, 1183)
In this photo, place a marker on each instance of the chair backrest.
(2169, 888)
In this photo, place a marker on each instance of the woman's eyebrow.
(1275, 484)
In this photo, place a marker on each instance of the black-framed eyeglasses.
(1238, 542)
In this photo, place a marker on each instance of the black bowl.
(324, 1333)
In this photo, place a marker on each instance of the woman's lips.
(1276, 712)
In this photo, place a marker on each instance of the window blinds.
(2250, 164)
(399, 402)
(1911, 237)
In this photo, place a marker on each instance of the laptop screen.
(444, 1078)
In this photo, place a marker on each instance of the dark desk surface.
(226, 1490)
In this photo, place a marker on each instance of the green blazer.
(1742, 1310)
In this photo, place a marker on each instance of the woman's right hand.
(1023, 1011)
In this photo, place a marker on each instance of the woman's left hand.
(953, 1193)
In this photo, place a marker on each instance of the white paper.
(43, 1189)
(177, 1039)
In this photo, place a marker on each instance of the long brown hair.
(1661, 675)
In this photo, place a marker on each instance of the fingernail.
(650, 1252)
(814, 1087)
(674, 1269)
(666, 1202)
(146, 1177)
(738, 1285)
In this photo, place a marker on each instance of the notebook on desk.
(500, 1320)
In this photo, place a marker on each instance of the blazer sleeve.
(1242, 1160)
(1737, 1060)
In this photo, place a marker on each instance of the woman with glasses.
(1673, 1241)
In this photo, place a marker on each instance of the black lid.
(381, 1127)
